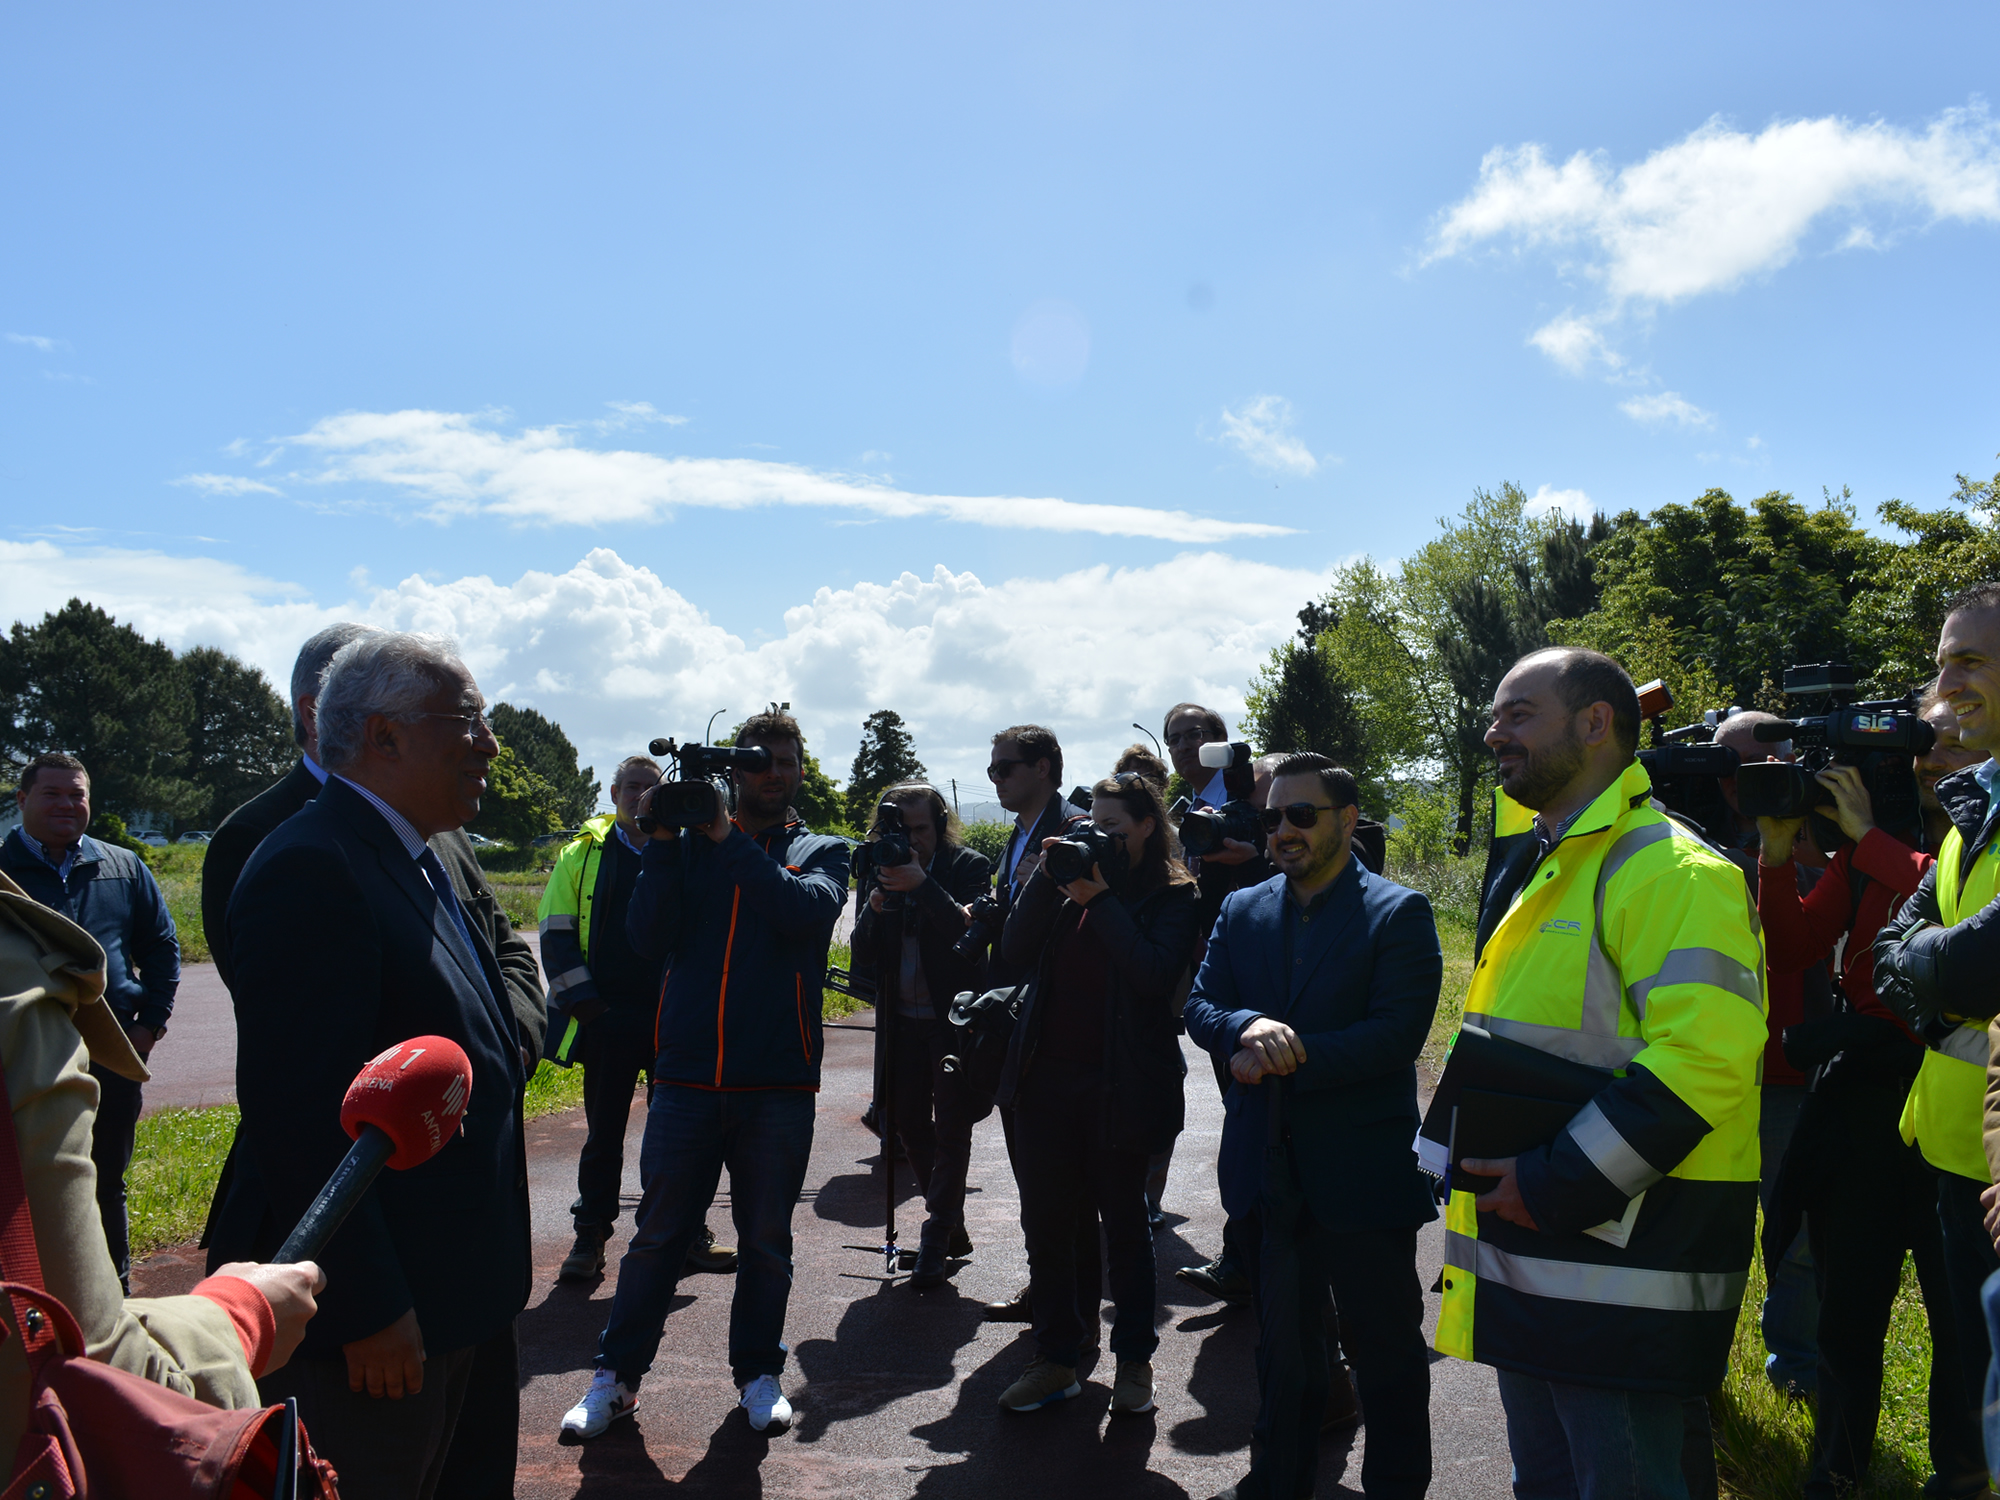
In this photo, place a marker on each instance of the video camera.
(1878, 738)
(1071, 856)
(698, 796)
(1204, 828)
(1685, 765)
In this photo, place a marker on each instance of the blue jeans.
(1789, 1320)
(764, 1137)
(1577, 1442)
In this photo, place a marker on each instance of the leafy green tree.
(79, 681)
(547, 751)
(1899, 613)
(519, 803)
(239, 732)
(887, 755)
(989, 838)
(1299, 700)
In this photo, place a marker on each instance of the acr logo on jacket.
(1560, 924)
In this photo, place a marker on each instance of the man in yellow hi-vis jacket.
(1602, 1276)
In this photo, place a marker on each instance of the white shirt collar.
(1988, 777)
(412, 840)
(1212, 795)
(626, 839)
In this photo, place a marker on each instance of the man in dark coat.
(483, 1469)
(346, 937)
(1319, 987)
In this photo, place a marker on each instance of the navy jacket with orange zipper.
(745, 926)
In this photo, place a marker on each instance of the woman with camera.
(1093, 1078)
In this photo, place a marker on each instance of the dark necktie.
(434, 871)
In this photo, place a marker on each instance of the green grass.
(175, 1163)
(177, 867)
(1763, 1442)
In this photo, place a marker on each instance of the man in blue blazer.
(1318, 989)
(348, 938)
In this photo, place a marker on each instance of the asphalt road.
(896, 1390)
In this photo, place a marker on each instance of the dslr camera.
(1877, 738)
(1071, 856)
(697, 796)
(889, 847)
(1685, 765)
(982, 927)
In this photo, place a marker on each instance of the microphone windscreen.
(416, 1093)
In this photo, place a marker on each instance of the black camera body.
(888, 848)
(982, 927)
(1071, 857)
(1685, 765)
(1879, 739)
(696, 796)
(1204, 828)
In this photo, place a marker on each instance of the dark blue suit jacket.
(341, 951)
(1361, 993)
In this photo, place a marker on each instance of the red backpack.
(102, 1434)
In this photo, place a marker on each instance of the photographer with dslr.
(1094, 1078)
(1867, 1197)
(915, 912)
(1937, 964)
(746, 907)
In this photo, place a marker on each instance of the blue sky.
(1027, 362)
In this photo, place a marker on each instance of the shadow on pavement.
(559, 1334)
(618, 1464)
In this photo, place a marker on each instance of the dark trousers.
(1239, 1236)
(764, 1137)
(617, 1049)
(486, 1442)
(1373, 1274)
(1085, 1246)
(383, 1449)
(1067, 1175)
(1968, 1260)
(934, 1116)
(1881, 1202)
(111, 1135)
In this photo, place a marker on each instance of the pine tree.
(544, 749)
(887, 755)
(239, 732)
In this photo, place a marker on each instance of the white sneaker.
(765, 1403)
(604, 1403)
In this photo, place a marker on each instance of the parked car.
(560, 836)
(195, 836)
(155, 840)
(481, 841)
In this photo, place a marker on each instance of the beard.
(1319, 860)
(1543, 773)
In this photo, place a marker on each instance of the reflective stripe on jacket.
(1945, 1114)
(1632, 947)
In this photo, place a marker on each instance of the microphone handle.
(337, 1199)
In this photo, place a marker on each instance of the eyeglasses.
(1189, 737)
(474, 722)
(1298, 814)
(1000, 770)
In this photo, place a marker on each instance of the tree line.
(1393, 668)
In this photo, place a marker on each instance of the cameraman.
(934, 1110)
(1094, 1078)
(1235, 865)
(746, 906)
(1866, 1196)
(1937, 964)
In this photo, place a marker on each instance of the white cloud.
(35, 341)
(226, 484)
(1261, 429)
(1721, 205)
(1667, 406)
(1572, 503)
(1575, 343)
(455, 464)
(636, 414)
(617, 656)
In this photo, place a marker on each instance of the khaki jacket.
(51, 1000)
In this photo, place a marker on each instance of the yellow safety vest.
(566, 903)
(1945, 1113)
(1633, 943)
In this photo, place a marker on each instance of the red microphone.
(400, 1110)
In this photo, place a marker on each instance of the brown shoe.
(1132, 1393)
(586, 1256)
(705, 1255)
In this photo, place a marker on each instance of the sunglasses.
(1000, 770)
(1298, 814)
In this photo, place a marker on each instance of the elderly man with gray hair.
(346, 937)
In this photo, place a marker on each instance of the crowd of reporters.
(685, 939)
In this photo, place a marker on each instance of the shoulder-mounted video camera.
(1879, 739)
(698, 795)
(1685, 765)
